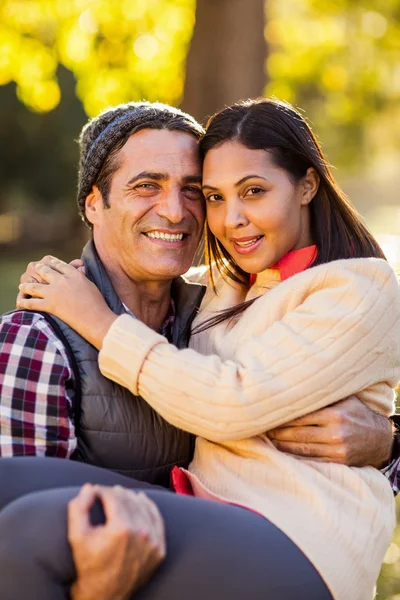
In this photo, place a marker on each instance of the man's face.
(155, 220)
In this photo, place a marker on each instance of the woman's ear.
(310, 185)
(93, 204)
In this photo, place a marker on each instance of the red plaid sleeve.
(37, 389)
(392, 472)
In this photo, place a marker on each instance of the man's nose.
(234, 216)
(171, 207)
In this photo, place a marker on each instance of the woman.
(303, 311)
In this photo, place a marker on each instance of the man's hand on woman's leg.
(115, 559)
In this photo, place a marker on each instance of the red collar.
(292, 263)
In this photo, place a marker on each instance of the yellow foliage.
(118, 51)
(340, 60)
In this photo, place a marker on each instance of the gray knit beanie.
(102, 133)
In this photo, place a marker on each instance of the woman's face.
(253, 208)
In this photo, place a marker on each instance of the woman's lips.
(247, 245)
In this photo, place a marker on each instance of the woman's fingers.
(37, 304)
(30, 273)
(77, 263)
(61, 266)
(56, 268)
(38, 272)
(26, 279)
(34, 290)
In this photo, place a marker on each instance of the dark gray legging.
(215, 551)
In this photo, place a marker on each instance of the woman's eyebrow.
(248, 177)
(238, 183)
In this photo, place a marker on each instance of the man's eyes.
(189, 190)
(146, 186)
(193, 191)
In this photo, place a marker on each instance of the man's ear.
(93, 205)
(310, 185)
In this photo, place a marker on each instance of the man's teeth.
(169, 237)
(249, 243)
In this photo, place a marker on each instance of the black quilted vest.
(115, 429)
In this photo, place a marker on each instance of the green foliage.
(118, 51)
(340, 60)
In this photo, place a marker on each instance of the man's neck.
(149, 301)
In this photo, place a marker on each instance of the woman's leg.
(22, 475)
(215, 551)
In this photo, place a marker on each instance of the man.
(140, 192)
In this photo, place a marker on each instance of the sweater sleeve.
(341, 339)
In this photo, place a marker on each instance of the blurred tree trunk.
(226, 59)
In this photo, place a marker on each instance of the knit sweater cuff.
(127, 336)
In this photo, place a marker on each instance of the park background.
(64, 60)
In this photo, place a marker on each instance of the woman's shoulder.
(375, 270)
(348, 281)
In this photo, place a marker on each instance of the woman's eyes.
(214, 198)
(254, 190)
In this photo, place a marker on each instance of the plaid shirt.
(37, 387)
(392, 471)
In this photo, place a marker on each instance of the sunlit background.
(64, 60)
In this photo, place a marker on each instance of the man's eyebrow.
(149, 175)
(191, 179)
(210, 187)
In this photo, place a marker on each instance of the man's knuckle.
(305, 450)
(145, 536)
(339, 433)
(279, 445)
(337, 416)
(153, 547)
(124, 532)
(300, 436)
(75, 537)
(341, 453)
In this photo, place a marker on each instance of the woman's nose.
(235, 217)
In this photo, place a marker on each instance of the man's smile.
(175, 239)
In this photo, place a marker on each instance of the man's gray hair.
(103, 136)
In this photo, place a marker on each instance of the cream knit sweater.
(316, 338)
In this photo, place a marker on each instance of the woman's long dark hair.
(337, 228)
